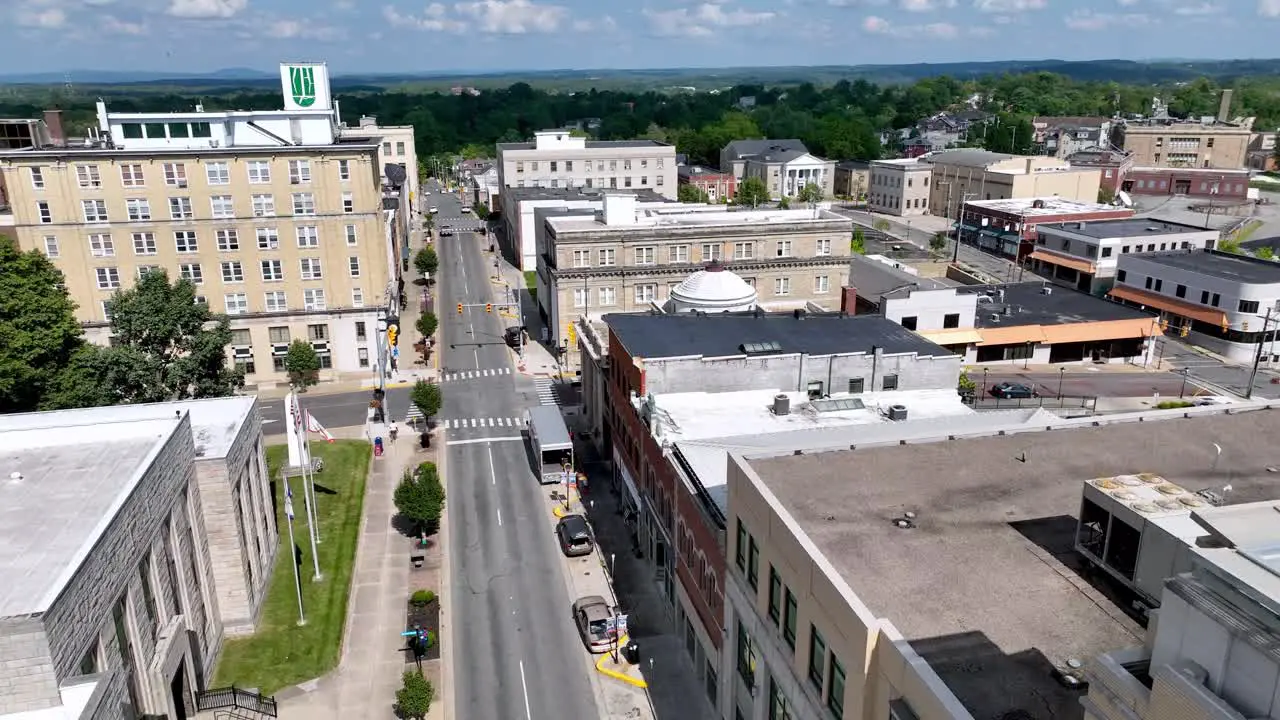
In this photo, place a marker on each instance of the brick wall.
(27, 679)
(1174, 697)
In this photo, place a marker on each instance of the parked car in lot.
(574, 535)
(591, 616)
(1010, 391)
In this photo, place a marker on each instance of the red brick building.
(1114, 164)
(1224, 185)
(719, 186)
(1009, 226)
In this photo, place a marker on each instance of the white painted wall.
(227, 129)
(930, 307)
(1106, 252)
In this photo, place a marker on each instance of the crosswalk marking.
(481, 423)
(473, 374)
(546, 393)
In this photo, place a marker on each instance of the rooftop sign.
(306, 86)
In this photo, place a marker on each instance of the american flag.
(313, 425)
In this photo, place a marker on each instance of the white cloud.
(1127, 3)
(701, 19)
(434, 18)
(1269, 8)
(1089, 20)
(1008, 6)
(876, 25)
(925, 5)
(291, 29)
(42, 17)
(206, 8)
(115, 25)
(513, 17)
(857, 3)
(1198, 9)
(604, 24)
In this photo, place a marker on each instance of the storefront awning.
(1084, 332)
(1083, 266)
(1012, 335)
(1213, 316)
(955, 336)
(966, 228)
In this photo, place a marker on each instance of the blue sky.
(417, 35)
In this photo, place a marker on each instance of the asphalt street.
(519, 655)
(1234, 378)
(333, 411)
(1090, 384)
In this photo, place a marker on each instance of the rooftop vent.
(760, 348)
(898, 413)
(995, 318)
(15, 476)
(837, 404)
(781, 405)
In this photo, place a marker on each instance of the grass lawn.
(531, 282)
(281, 653)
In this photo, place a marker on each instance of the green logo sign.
(302, 83)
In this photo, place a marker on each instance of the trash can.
(631, 652)
(377, 447)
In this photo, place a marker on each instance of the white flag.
(313, 425)
(288, 501)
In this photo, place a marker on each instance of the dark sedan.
(1011, 391)
(574, 535)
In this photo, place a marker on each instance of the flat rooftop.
(541, 193)
(987, 587)
(905, 163)
(653, 336)
(1123, 228)
(591, 145)
(1027, 304)
(676, 216)
(1040, 207)
(873, 278)
(73, 479)
(1227, 266)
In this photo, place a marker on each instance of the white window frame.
(131, 176)
(276, 301)
(95, 211)
(186, 242)
(580, 297)
(353, 266)
(264, 205)
(782, 286)
(311, 268)
(222, 207)
(821, 284)
(236, 303)
(228, 239)
(348, 203)
(180, 208)
(258, 172)
(108, 278)
(272, 270)
(608, 257)
(175, 174)
(678, 253)
(357, 297)
(138, 209)
(232, 271)
(308, 236)
(217, 173)
(313, 299)
(144, 241)
(45, 211)
(102, 245)
(37, 177)
(344, 170)
(144, 269)
(824, 246)
(783, 248)
(646, 255)
(51, 247)
(299, 172)
(268, 238)
(646, 293)
(607, 297)
(87, 176)
(192, 272)
(304, 203)
(712, 252)
(744, 251)
(582, 258)
(353, 236)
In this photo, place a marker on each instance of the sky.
(401, 36)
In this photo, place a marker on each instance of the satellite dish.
(395, 173)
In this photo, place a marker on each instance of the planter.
(428, 618)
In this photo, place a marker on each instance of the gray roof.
(853, 165)
(780, 156)
(872, 279)
(968, 157)
(541, 193)
(1028, 305)
(739, 149)
(987, 588)
(1238, 268)
(1123, 228)
(721, 335)
(591, 144)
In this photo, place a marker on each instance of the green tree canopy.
(39, 334)
(752, 192)
(427, 397)
(811, 193)
(413, 699)
(303, 364)
(858, 244)
(427, 324)
(692, 194)
(426, 261)
(419, 498)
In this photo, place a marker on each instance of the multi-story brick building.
(398, 148)
(278, 220)
(719, 186)
(968, 174)
(1169, 143)
(560, 159)
(133, 540)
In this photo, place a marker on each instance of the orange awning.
(1012, 335)
(954, 336)
(1212, 316)
(1076, 264)
(1101, 331)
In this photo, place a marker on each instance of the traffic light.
(393, 335)
(1186, 330)
(488, 307)
(459, 308)
(572, 333)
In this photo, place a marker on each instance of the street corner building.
(133, 541)
(292, 224)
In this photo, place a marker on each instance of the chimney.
(1224, 108)
(849, 300)
(53, 123)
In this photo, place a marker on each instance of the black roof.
(1123, 227)
(1027, 304)
(652, 335)
(1238, 268)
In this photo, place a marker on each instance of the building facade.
(396, 146)
(292, 239)
(720, 187)
(1169, 143)
(1084, 255)
(899, 187)
(1114, 165)
(1062, 137)
(963, 175)
(629, 258)
(1226, 186)
(560, 159)
(1009, 226)
(517, 225)
(852, 178)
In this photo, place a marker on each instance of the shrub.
(413, 699)
(422, 597)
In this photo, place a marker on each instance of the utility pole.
(1257, 358)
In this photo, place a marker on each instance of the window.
(318, 333)
(357, 297)
(824, 246)
(175, 174)
(310, 268)
(299, 172)
(362, 355)
(1121, 275)
(753, 563)
(217, 173)
(144, 269)
(1180, 291)
(821, 284)
(264, 205)
(304, 204)
(1159, 284)
(108, 278)
(782, 286)
(1248, 306)
(89, 663)
(779, 706)
(259, 172)
(645, 256)
(1204, 297)
(608, 297)
(1106, 252)
(308, 236)
(222, 207)
(131, 176)
(909, 322)
(313, 299)
(607, 257)
(646, 294)
(581, 258)
(1150, 280)
(740, 547)
(579, 297)
(835, 695)
(139, 209)
(101, 245)
(744, 251)
(228, 240)
(119, 619)
(784, 248)
(353, 265)
(232, 272)
(344, 170)
(272, 270)
(890, 382)
(817, 659)
(185, 241)
(144, 243)
(268, 238)
(789, 614)
(192, 272)
(51, 246)
(352, 238)
(1215, 300)
(276, 301)
(775, 595)
(148, 595)
(46, 214)
(386, 149)
(746, 657)
(658, 181)
(87, 176)
(237, 303)
(155, 130)
(180, 208)
(278, 335)
(94, 210)
(348, 203)
(678, 253)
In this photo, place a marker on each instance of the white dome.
(713, 289)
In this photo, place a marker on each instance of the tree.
(39, 334)
(413, 699)
(419, 498)
(881, 224)
(1106, 195)
(859, 243)
(481, 210)
(938, 242)
(303, 364)
(426, 261)
(753, 192)
(692, 194)
(810, 194)
(1265, 253)
(784, 203)
(185, 344)
(427, 324)
(427, 397)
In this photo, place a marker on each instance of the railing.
(983, 401)
(234, 697)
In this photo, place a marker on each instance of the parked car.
(1010, 391)
(513, 336)
(591, 615)
(434, 210)
(466, 208)
(574, 535)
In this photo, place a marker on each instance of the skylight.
(837, 404)
(760, 348)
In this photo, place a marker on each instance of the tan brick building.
(1186, 144)
(963, 175)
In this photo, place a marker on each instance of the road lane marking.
(499, 512)
(477, 441)
(528, 714)
(490, 422)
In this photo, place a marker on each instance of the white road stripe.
(473, 422)
(477, 441)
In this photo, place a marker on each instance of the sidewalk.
(508, 280)
(364, 685)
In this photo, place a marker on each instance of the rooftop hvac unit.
(242, 352)
(897, 412)
(280, 349)
(781, 405)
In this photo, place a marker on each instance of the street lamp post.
(1062, 372)
(1183, 391)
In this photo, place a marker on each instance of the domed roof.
(715, 289)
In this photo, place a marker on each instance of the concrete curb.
(446, 591)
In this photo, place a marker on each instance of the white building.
(397, 147)
(712, 289)
(518, 229)
(899, 187)
(1217, 300)
(785, 166)
(133, 539)
(560, 159)
(1083, 255)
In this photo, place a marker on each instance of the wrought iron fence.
(234, 697)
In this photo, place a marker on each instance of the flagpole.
(293, 550)
(308, 500)
(311, 480)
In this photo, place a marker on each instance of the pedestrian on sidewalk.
(394, 430)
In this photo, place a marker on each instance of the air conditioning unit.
(295, 181)
(273, 244)
(320, 347)
(182, 183)
(280, 349)
(242, 352)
